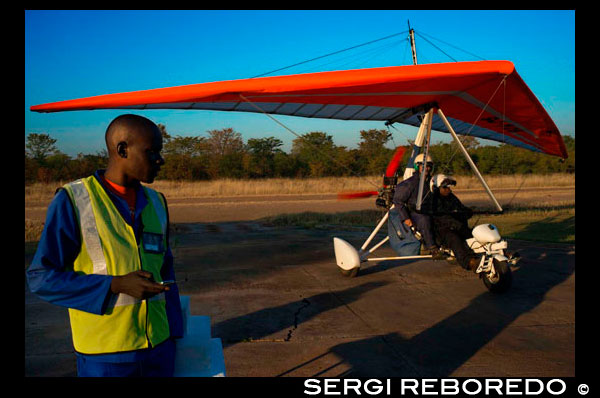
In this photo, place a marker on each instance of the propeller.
(389, 173)
(356, 195)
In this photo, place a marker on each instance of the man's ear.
(122, 149)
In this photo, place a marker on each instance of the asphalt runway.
(282, 308)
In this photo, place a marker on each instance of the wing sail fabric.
(485, 99)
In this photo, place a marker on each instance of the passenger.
(450, 221)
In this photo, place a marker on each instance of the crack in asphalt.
(306, 303)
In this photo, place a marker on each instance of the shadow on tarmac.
(441, 349)
(436, 351)
(267, 321)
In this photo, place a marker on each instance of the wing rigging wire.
(421, 34)
(375, 52)
(468, 133)
(330, 54)
(356, 59)
(302, 138)
(372, 53)
(502, 153)
(445, 53)
(504, 150)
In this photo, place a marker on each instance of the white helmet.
(419, 159)
(441, 180)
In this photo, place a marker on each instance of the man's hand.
(138, 284)
(408, 222)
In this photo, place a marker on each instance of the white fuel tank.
(486, 233)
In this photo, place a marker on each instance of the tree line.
(224, 154)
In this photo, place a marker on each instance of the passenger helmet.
(441, 180)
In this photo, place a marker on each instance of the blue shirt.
(57, 250)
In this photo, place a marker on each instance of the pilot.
(405, 200)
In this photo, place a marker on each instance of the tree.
(189, 146)
(225, 141)
(59, 164)
(163, 130)
(86, 164)
(262, 152)
(285, 165)
(317, 151)
(373, 141)
(185, 158)
(569, 164)
(373, 155)
(264, 146)
(39, 146)
(226, 150)
(31, 169)
(468, 141)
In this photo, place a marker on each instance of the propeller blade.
(395, 162)
(390, 171)
(356, 195)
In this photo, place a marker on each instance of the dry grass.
(330, 185)
(272, 186)
(43, 193)
(325, 185)
(33, 230)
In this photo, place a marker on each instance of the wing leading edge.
(485, 99)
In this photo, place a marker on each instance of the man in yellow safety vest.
(104, 254)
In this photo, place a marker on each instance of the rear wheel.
(501, 281)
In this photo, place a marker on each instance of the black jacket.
(447, 212)
(406, 192)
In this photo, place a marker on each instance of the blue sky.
(75, 54)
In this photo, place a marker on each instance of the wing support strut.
(469, 160)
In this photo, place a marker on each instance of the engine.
(386, 194)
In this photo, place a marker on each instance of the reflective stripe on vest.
(89, 231)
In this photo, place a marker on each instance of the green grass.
(313, 220)
(544, 224)
(555, 225)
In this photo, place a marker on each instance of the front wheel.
(350, 273)
(501, 281)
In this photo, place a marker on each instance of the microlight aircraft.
(484, 99)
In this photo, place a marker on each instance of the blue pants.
(402, 239)
(157, 362)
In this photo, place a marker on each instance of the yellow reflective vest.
(109, 247)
